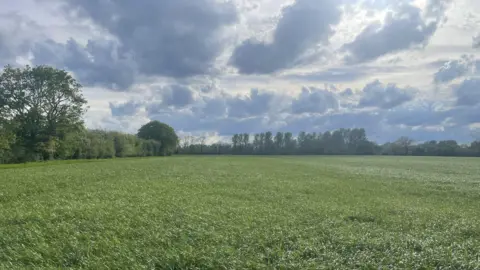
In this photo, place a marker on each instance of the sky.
(220, 67)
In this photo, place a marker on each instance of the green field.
(242, 213)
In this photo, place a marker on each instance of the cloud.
(468, 92)
(173, 38)
(347, 93)
(421, 113)
(15, 33)
(331, 75)
(6, 53)
(454, 69)
(465, 115)
(169, 100)
(96, 64)
(343, 74)
(213, 107)
(187, 121)
(129, 108)
(136, 46)
(435, 9)
(177, 96)
(402, 29)
(314, 100)
(312, 110)
(476, 41)
(376, 94)
(255, 104)
(302, 26)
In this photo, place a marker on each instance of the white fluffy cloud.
(253, 65)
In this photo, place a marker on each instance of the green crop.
(242, 213)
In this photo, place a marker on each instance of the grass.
(46, 163)
(243, 213)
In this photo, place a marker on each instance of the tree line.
(338, 142)
(41, 118)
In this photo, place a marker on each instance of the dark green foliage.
(162, 133)
(39, 107)
(41, 112)
(338, 142)
(343, 141)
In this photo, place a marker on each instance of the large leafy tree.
(40, 105)
(162, 133)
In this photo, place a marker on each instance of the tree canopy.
(41, 118)
(337, 142)
(162, 133)
(39, 106)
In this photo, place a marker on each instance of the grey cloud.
(231, 126)
(255, 104)
(379, 126)
(344, 74)
(6, 54)
(177, 96)
(331, 75)
(14, 41)
(173, 38)
(371, 121)
(214, 107)
(400, 31)
(374, 4)
(162, 100)
(367, 120)
(376, 94)
(189, 122)
(437, 63)
(465, 115)
(229, 114)
(302, 26)
(129, 108)
(454, 69)
(347, 92)
(476, 41)
(96, 64)
(421, 114)
(436, 9)
(468, 92)
(314, 100)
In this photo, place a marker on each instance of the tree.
(162, 133)
(279, 142)
(185, 144)
(289, 142)
(257, 143)
(202, 141)
(475, 134)
(447, 148)
(262, 142)
(475, 147)
(357, 141)
(338, 141)
(40, 105)
(268, 142)
(245, 140)
(7, 138)
(236, 141)
(404, 143)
